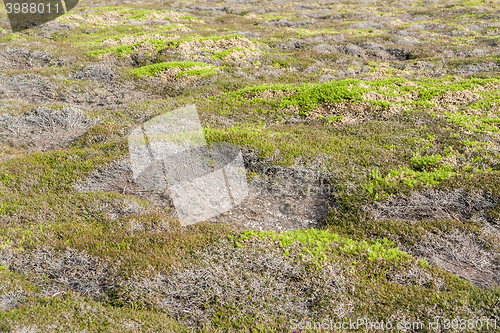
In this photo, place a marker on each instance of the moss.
(204, 72)
(223, 54)
(72, 312)
(425, 162)
(156, 69)
(55, 171)
(317, 243)
(138, 14)
(81, 222)
(122, 50)
(311, 96)
(8, 38)
(476, 124)
(294, 142)
(494, 214)
(308, 97)
(190, 18)
(100, 134)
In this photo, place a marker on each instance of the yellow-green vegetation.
(38, 173)
(427, 98)
(385, 93)
(318, 243)
(220, 46)
(122, 50)
(188, 68)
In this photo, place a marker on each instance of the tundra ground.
(370, 132)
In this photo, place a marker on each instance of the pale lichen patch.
(131, 40)
(462, 97)
(238, 47)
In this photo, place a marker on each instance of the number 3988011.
(32, 8)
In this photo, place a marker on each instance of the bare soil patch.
(279, 198)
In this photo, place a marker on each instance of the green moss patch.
(308, 97)
(317, 243)
(185, 67)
